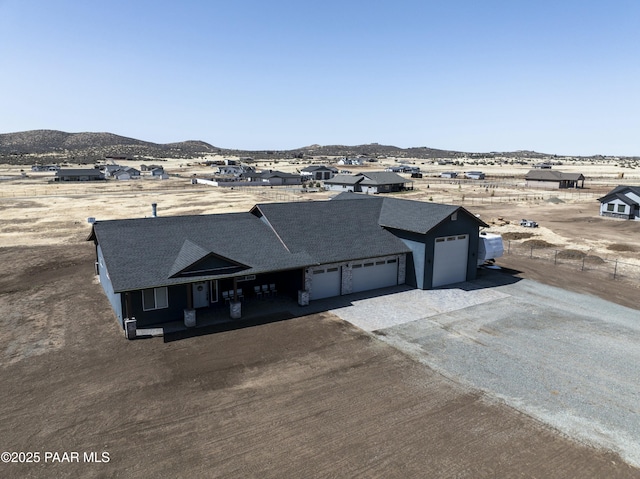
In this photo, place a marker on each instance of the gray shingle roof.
(332, 231)
(374, 178)
(146, 252)
(552, 175)
(410, 215)
(79, 172)
(151, 252)
(620, 189)
(344, 180)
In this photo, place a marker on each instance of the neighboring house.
(234, 170)
(553, 179)
(126, 173)
(150, 167)
(274, 178)
(351, 161)
(543, 166)
(354, 243)
(371, 182)
(621, 202)
(404, 169)
(318, 173)
(78, 174)
(448, 174)
(158, 173)
(45, 168)
(474, 175)
(109, 170)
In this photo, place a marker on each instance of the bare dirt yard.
(307, 397)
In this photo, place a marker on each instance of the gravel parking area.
(568, 359)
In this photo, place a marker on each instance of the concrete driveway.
(570, 360)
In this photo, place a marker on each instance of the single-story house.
(78, 174)
(126, 173)
(448, 174)
(475, 175)
(158, 173)
(543, 166)
(354, 243)
(371, 182)
(351, 161)
(274, 178)
(553, 179)
(404, 169)
(234, 170)
(318, 172)
(621, 202)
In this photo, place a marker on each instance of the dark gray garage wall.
(420, 262)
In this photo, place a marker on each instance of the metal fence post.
(531, 254)
(555, 258)
(615, 269)
(583, 262)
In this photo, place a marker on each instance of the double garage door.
(366, 275)
(450, 260)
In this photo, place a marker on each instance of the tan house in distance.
(553, 179)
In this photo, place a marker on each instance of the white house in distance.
(372, 182)
(318, 173)
(622, 202)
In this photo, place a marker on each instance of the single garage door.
(450, 260)
(374, 274)
(325, 283)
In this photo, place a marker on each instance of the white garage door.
(373, 274)
(325, 283)
(450, 260)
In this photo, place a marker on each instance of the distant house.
(158, 173)
(553, 179)
(404, 169)
(474, 175)
(274, 178)
(351, 161)
(78, 174)
(448, 174)
(371, 182)
(318, 173)
(542, 166)
(234, 170)
(621, 202)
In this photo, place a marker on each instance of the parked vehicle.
(490, 247)
(528, 223)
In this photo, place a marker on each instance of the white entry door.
(200, 294)
(450, 260)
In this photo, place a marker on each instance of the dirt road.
(306, 397)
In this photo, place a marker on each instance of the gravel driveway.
(570, 360)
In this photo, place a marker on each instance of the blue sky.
(557, 76)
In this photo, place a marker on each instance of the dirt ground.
(311, 396)
(306, 397)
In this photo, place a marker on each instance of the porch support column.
(235, 306)
(189, 296)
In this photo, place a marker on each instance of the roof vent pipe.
(154, 210)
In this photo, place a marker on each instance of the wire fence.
(577, 260)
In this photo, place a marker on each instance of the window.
(610, 206)
(621, 208)
(155, 298)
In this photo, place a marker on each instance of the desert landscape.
(307, 396)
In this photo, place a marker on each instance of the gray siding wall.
(420, 262)
(105, 281)
(177, 300)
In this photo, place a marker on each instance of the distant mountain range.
(29, 146)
